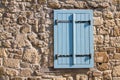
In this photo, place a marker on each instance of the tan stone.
(53, 4)
(116, 2)
(116, 31)
(26, 28)
(24, 65)
(32, 37)
(6, 43)
(70, 78)
(25, 72)
(81, 77)
(117, 22)
(116, 71)
(98, 21)
(11, 72)
(42, 1)
(101, 57)
(118, 50)
(104, 4)
(116, 78)
(117, 14)
(31, 55)
(3, 52)
(107, 75)
(81, 4)
(108, 15)
(109, 23)
(34, 78)
(97, 13)
(103, 66)
(99, 39)
(92, 4)
(17, 78)
(117, 56)
(59, 78)
(12, 63)
(97, 73)
(2, 71)
(21, 41)
(21, 19)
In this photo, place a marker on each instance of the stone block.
(107, 15)
(11, 72)
(103, 66)
(116, 31)
(99, 39)
(53, 4)
(118, 50)
(117, 14)
(34, 78)
(117, 22)
(98, 21)
(31, 55)
(107, 75)
(59, 78)
(12, 63)
(21, 20)
(26, 28)
(17, 78)
(116, 71)
(3, 52)
(109, 23)
(97, 73)
(70, 78)
(81, 77)
(25, 72)
(116, 78)
(101, 57)
(2, 71)
(116, 56)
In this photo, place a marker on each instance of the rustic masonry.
(26, 40)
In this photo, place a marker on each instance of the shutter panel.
(73, 39)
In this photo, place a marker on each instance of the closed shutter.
(73, 39)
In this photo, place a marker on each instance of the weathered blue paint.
(73, 39)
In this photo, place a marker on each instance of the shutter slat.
(60, 27)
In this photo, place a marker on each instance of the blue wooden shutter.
(73, 39)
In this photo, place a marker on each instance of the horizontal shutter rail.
(69, 21)
(62, 21)
(77, 55)
(57, 55)
(82, 55)
(83, 22)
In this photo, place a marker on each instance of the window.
(73, 39)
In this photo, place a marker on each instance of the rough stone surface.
(101, 57)
(25, 72)
(12, 63)
(31, 55)
(27, 38)
(116, 71)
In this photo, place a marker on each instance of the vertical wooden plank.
(82, 38)
(78, 38)
(86, 38)
(64, 40)
(60, 35)
(74, 40)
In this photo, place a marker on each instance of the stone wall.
(26, 40)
